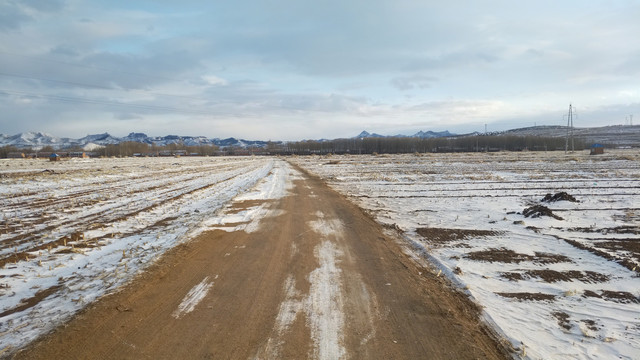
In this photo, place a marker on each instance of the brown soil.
(624, 229)
(509, 256)
(632, 246)
(623, 258)
(32, 301)
(563, 319)
(528, 296)
(561, 196)
(552, 276)
(591, 324)
(393, 306)
(615, 296)
(442, 236)
(536, 211)
(620, 296)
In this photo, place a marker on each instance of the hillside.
(619, 136)
(611, 135)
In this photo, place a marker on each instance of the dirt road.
(318, 280)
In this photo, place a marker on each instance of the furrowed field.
(562, 281)
(71, 231)
(547, 243)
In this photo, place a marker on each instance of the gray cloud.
(412, 82)
(12, 16)
(301, 65)
(45, 5)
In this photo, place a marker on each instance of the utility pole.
(631, 119)
(569, 131)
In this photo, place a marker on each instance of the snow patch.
(193, 298)
(275, 185)
(325, 303)
(324, 227)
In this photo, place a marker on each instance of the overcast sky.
(296, 69)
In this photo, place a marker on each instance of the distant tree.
(5, 150)
(395, 145)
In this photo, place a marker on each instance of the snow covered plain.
(72, 231)
(565, 287)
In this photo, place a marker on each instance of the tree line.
(123, 149)
(394, 145)
(387, 145)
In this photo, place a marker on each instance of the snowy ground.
(72, 231)
(565, 287)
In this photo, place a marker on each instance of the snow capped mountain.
(33, 139)
(100, 139)
(419, 134)
(431, 134)
(37, 140)
(366, 134)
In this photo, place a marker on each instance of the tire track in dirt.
(319, 280)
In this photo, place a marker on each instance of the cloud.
(127, 116)
(47, 6)
(462, 111)
(12, 16)
(214, 80)
(413, 82)
(290, 67)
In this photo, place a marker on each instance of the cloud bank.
(288, 70)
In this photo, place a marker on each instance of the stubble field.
(72, 231)
(557, 275)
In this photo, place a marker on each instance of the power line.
(569, 131)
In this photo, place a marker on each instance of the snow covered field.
(565, 284)
(72, 231)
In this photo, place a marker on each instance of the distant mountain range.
(419, 134)
(616, 135)
(91, 142)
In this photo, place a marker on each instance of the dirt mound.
(561, 196)
(536, 211)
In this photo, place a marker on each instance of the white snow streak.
(193, 298)
(324, 305)
(331, 227)
(274, 186)
(287, 314)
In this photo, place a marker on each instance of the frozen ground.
(554, 287)
(74, 230)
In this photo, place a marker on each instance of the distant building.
(54, 157)
(78, 154)
(597, 149)
(15, 155)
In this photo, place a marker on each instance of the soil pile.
(561, 196)
(536, 211)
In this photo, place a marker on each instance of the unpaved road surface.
(319, 280)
